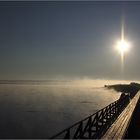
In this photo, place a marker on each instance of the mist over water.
(41, 109)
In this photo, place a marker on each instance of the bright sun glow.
(123, 46)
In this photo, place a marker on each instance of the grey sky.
(40, 40)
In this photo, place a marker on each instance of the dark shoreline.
(125, 88)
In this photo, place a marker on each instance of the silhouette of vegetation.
(131, 88)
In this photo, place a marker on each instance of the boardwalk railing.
(96, 124)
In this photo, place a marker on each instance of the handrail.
(95, 125)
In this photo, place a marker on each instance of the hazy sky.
(40, 40)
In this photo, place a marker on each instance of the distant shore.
(124, 87)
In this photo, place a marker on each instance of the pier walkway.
(133, 131)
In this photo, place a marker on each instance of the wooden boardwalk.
(133, 131)
(119, 128)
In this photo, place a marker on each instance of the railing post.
(97, 119)
(109, 111)
(90, 127)
(102, 117)
(79, 131)
(67, 136)
(116, 107)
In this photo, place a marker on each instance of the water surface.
(39, 110)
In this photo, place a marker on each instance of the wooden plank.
(123, 120)
(119, 127)
(130, 111)
(130, 116)
(127, 117)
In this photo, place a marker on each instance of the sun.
(123, 46)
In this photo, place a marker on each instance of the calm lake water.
(41, 109)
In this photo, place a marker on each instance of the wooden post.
(67, 136)
(79, 131)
